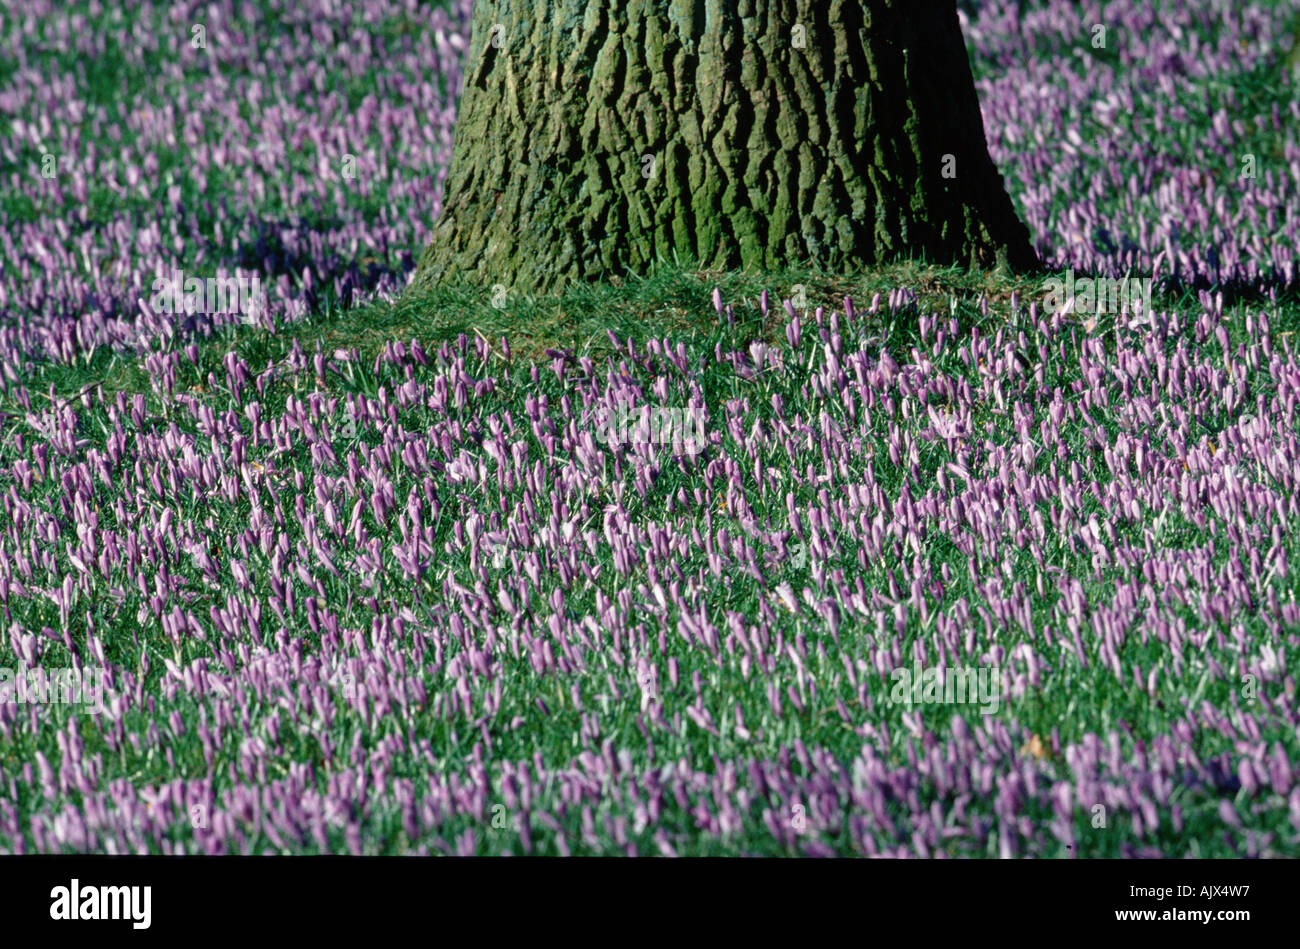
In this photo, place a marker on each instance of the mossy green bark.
(596, 137)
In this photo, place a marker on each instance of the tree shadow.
(299, 248)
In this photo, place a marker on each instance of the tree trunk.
(598, 136)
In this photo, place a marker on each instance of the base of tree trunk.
(596, 138)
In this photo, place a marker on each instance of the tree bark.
(596, 137)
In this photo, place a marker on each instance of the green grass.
(673, 302)
(1073, 700)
